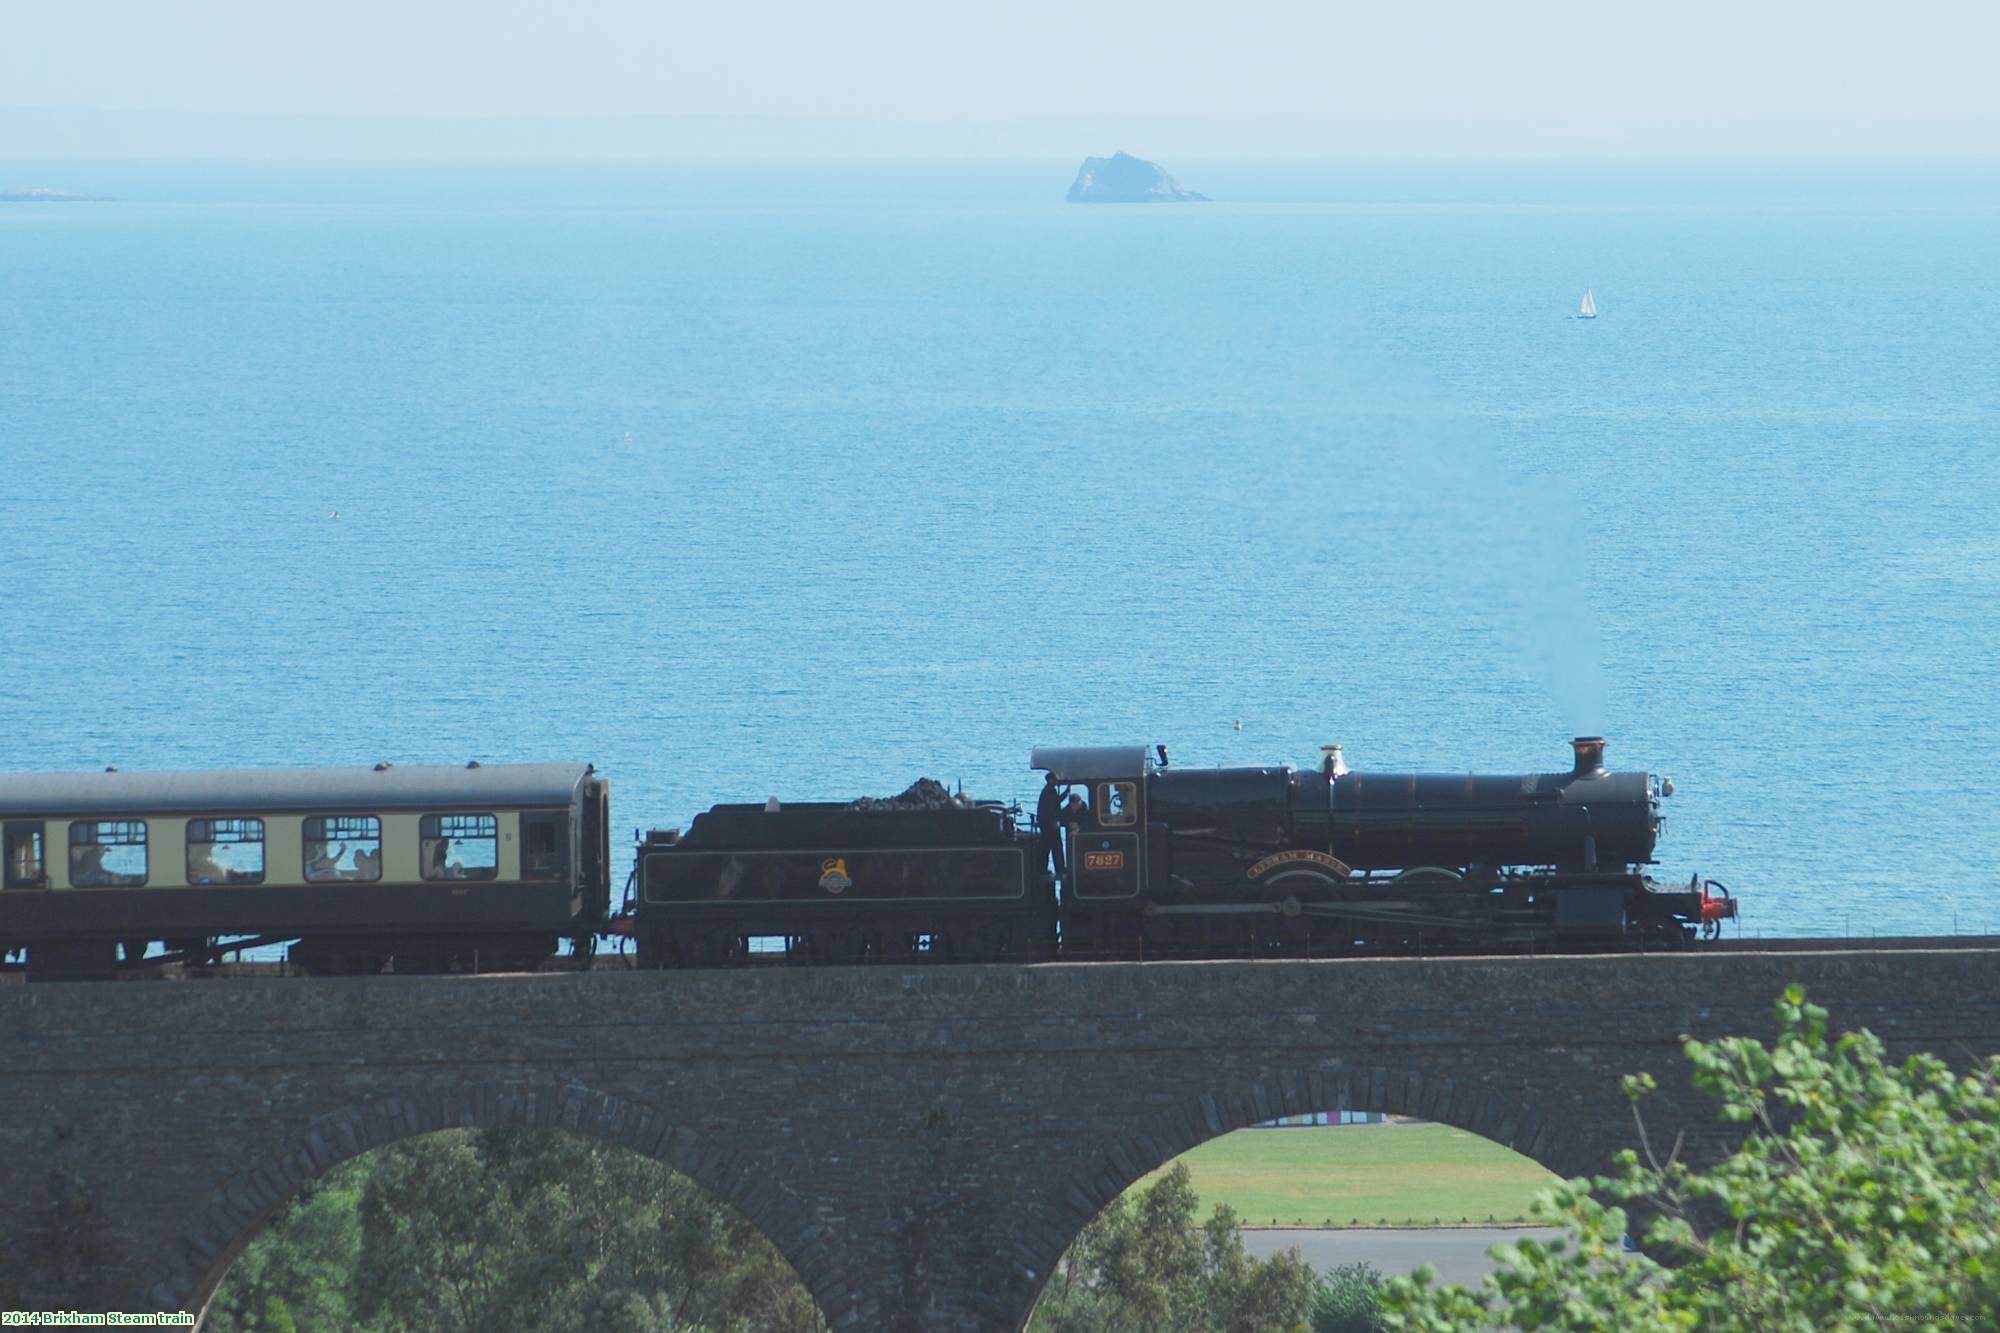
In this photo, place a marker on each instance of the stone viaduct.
(921, 1143)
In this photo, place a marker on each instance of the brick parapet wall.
(921, 1143)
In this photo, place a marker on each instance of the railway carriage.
(483, 867)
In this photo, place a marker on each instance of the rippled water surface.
(809, 483)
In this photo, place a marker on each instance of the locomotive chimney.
(1589, 757)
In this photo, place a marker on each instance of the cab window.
(343, 847)
(459, 847)
(225, 851)
(26, 861)
(107, 852)
(1117, 803)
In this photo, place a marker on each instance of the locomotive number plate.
(1104, 860)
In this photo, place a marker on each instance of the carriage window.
(343, 847)
(105, 852)
(1117, 802)
(225, 851)
(543, 839)
(27, 864)
(459, 847)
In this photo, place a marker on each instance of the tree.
(438, 1246)
(278, 1316)
(1244, 1295)
(542, 1232)
(1143, 1264)
(1866, 1196)
(295, 1274)
(535, 1230)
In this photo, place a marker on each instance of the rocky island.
(1125, 179)
(38, 195)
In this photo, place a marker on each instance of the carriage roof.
(220, 791)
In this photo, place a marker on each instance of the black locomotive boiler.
(1140, 859)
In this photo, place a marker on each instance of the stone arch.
(218, 1229)
(1083, 1193)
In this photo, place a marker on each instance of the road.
(1458, 1253)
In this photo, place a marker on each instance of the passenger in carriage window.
(320, 865)
(203, 868)
(367, 865)
(86, 866)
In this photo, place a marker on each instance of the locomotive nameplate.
(1104, 860)
(1302, 858)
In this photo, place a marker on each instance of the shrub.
(1348, 1299)
(1865, 1196)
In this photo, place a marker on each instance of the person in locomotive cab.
(1048, 817)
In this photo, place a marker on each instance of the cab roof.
(217, 791)
(1083, 763)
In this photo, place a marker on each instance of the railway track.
(13, 974)
(1853, 944)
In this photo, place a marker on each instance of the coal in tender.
(923, 794)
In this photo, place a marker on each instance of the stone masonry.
(921, 1143)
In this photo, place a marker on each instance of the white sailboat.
(1589, 308)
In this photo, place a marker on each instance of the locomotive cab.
(1104, 828)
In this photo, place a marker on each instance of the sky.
(1272, 76)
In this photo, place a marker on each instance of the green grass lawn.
(1346, 1175)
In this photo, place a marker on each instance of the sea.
(809, 481)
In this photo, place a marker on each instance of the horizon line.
(1663, 157)
(43, 133)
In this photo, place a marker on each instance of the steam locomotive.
(489, 868)
(1146, 860)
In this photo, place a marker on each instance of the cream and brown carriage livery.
(481, 867)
